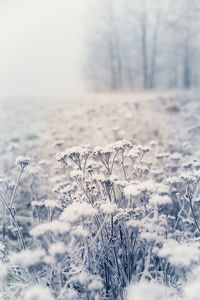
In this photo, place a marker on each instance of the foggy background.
(41, 47)
(144, 44)
(61, 48)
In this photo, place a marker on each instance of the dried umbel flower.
(145, 149)
(188, 178)
(22, 161)
(59, 143)
(78, 152)
(121, 145)
(134, 153)
(77, 174)
(173, 181)
(175, 156)
(61, 157)
(163, 155)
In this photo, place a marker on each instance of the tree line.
(134, 44)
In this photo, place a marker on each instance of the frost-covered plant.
(107, 220)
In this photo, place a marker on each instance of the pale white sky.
(41, 47)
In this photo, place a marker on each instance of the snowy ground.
(99, 119)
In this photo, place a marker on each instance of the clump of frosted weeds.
(109, 220)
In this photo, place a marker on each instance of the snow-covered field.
(100, 197)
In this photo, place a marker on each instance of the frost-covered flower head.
(197, 174)
(78, 152)
(162, 155)
(147, 186)
(52, 203)
(121, 145)
(22, 161)
(55, 226)
(60, 187)
(28, 258)
(59, 143)
(134, 153)
(144, 290)
(95, 284)
(69, 294)
(108, 207)
(175, 157)
(38, 293)
(131, 190)
(188, 178)
(77, 210)
(180, 254)
(145, 149)
(79, 231)
(77, 174)
(37, 203)
(173, 180)
(160, 200)
(133, 223)
(57, 248)
(192, 290)
(61, 157)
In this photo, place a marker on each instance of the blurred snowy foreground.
(100, 197)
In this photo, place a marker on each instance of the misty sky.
(41, 47)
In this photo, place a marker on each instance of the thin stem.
(15, 222)
(194, 217)
(123, 167)
(15, 188)
(135, 169)
(3, 223)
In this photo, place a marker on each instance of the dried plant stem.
(15, 188)
(14, 222)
